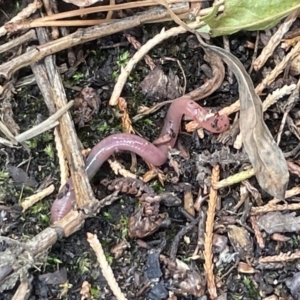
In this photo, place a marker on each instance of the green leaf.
(250, 15)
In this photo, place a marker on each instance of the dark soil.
(99, 71)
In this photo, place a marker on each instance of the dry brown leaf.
(245, 268)
(257, 139)
(86, 104)
(153, 173)
(188, 199)
(158, 85)
(241, 241)
(277, 222)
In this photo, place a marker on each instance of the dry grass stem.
(55, 19)
(208, 240)
(275, 40)
(234, 107)
(105, 267)
(236, 178)
(7, 143)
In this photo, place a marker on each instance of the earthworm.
(155, 153)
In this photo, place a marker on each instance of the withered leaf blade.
(265, 156)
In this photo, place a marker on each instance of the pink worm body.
(154, 154)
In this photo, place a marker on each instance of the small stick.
(105, 267)
(44, 126)
(31, 200)
(25, 38)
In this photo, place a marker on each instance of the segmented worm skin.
(154, 154)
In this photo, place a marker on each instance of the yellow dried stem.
(208, 256)
(239, 177)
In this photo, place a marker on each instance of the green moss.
(252, 290)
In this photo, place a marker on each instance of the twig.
(24, 290)
(54, 91)
(31, 200)
(25, 13)
(54, 20)
(137, 45)
(30, 79)
(45, 125)
(208, 241)
(227, 48)
(105, 267)
(49, 12)
(179, 235)
(275, 40)
(84, 35)
(25, 38)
